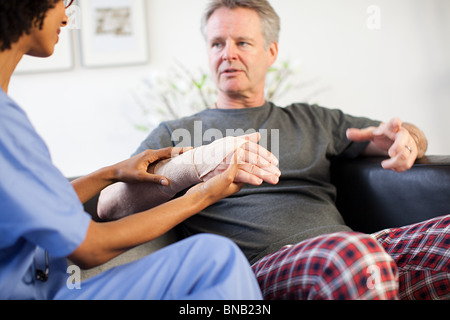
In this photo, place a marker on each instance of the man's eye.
(216, 45)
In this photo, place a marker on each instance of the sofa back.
(371, 198)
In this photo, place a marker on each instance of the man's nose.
(230, 52)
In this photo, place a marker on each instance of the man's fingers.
(247, 178)
(402, 162)
(360, 135)
(256, 164)
(258, 154)
(389, 129)
(253, 137)
(394, 125)
(252, 174)
(402, 153)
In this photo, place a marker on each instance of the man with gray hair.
(270, 21)
(288, 226)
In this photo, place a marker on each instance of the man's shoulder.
(190, 118)
(303, 108)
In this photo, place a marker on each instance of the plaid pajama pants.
(403, 263)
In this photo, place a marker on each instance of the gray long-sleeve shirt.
(262, 219)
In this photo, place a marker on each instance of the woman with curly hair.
(42, 220)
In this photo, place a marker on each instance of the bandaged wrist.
(180, 171)
(208, 158)
(193, 166)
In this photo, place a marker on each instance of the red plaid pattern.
(402, 263)
(421, 252)
(336, 266)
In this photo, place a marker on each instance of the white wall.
(403, 70)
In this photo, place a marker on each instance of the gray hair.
(269, 18)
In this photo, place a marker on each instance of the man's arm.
(192, 167)
(403, 143)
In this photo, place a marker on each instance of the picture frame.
(113, 32)
(61, 60)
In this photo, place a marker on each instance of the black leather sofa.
(371, 198)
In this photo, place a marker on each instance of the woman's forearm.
(105, 241)
(88, 186)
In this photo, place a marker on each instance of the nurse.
(42, 221)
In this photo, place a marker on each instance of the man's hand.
(257, 165)
(403, 143)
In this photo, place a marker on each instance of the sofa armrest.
(371, 198)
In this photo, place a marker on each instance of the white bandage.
(190, 168)
(194, 166)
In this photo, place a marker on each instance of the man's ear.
(273, 53)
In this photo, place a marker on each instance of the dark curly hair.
(19, 16)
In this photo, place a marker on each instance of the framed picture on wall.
(61, 60)
(113, 32)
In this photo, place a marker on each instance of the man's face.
(237, 53)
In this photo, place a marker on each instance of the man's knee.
(360, 268)
(335, 266)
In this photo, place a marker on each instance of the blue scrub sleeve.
(37, 202)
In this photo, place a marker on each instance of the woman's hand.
(222, 185)
(137, 168)
(133, 170)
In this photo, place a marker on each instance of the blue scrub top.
(39, 211)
